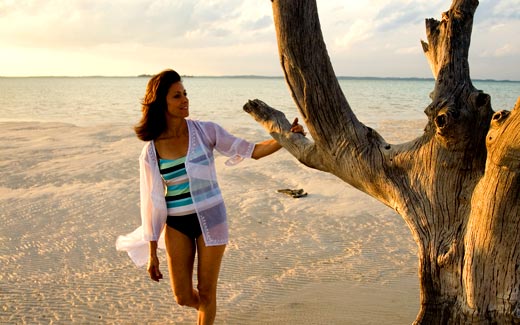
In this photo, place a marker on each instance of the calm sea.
(87, 101)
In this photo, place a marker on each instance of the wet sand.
(336, 256)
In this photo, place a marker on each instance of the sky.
(375, 38)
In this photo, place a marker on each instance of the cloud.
(126, 37)
(366, 24)
(397, 14)
(68, 23)
(498, 10)
(408, 50)
(360, 30)
(81, 23)
(507, 49)
(496, 39)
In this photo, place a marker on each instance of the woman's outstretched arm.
(265, 148)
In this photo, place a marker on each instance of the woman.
(179, 188)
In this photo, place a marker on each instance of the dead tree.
(456, 186)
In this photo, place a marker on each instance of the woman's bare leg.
(209, 260)
(181, 256)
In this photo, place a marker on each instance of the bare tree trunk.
(456, 186)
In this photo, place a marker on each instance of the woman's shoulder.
(202, 122)
(206, 125)
(147, 145)
(147, 149)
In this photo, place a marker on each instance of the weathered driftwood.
(456, 186)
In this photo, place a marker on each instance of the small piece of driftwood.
(294, 193)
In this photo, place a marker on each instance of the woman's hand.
(267, 147)
(153, 268)
(153, 263)
(297, 128)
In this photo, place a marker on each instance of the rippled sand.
(66, 192)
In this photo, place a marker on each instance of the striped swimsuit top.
(177, 193)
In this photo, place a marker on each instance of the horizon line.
(249, 76)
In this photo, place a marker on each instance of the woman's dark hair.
(153, 122)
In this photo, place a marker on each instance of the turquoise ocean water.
(99, 100)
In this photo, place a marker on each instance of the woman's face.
(177, 101)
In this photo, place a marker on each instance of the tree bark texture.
(456, 186)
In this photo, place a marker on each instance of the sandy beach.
(334, 257)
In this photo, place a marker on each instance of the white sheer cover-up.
(204, 137)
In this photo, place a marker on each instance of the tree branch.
(279, 128)
(309, 74)
(448, 43)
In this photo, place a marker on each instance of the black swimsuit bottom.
(188, 225)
